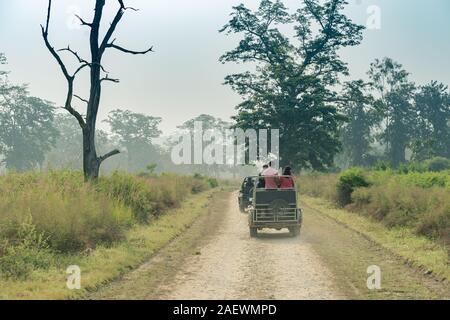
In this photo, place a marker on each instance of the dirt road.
(228, 264)
(216, 259)
(235, 266)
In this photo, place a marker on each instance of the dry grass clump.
(426, 210)
(43, 215)
(319, 185)
(417, 200)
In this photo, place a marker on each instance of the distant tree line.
(387, 118)
(392, 119)
(34, 135)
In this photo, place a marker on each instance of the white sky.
(183, 78)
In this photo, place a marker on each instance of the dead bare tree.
(98, 75)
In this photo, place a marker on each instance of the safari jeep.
(272, 208)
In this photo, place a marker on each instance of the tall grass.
(49, 214)
(420, 201)
(319, 185)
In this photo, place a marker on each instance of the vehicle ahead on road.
(245, 194)
(270, 208)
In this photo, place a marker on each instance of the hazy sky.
(183, 78)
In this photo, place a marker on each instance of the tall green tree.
(396, 94)
(432, 137)
(135, 133)
(208, 122)
(27, 130)
(359, 106)
(291, 83)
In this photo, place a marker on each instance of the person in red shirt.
(270, 177)
(287, 180)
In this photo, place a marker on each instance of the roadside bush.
(213, 183)
(19, 261)
(427, 211)
(413, 166)
(44, 215)
(150, 197)
(348, 181)
(435, 223)
(424, 180)
(199, 184)
(31, 251)
(71, 215)
(381, 165)
(419, 201)
(438, 164)
(130, 191)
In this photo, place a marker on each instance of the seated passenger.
(261, 182)
(248, 186)
(270, 177)
(287, 181)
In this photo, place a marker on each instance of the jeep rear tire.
(253, 232)
(294, 231)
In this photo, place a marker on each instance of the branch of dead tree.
(80, 98)
(107, 78)
(83, 23)
(112, 45)
(108, 155)
(70, 79)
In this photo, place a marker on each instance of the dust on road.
(235, 266)
(231, 265)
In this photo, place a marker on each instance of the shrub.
(213, 183)
(200, 183)
(424, 180)
(132, 192)
(435, 222)
(381, 165)
(361, 197)
(30, 252)
(438, 164)
(19, 261)
(419, 201)
(348, 181)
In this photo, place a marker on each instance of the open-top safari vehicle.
(272, 208)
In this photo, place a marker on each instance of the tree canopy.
(135, 133)
(362, 113)
(396, 94)
(291, 86)
(27, 130)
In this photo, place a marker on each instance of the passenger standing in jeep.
(270, 177)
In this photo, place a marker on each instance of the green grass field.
(54, 220)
